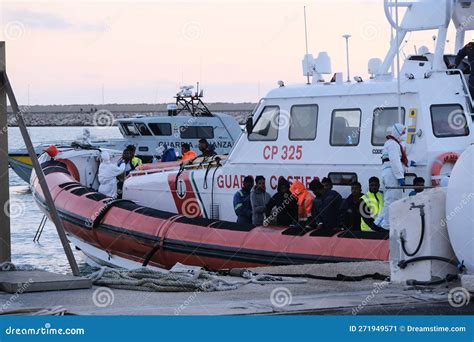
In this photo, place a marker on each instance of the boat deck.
(367, 297)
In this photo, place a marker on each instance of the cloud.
(50, 21)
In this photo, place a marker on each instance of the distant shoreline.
(105, 115)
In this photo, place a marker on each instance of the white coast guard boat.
(338, 128)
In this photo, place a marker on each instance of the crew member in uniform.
(467, 50)
(394, 161)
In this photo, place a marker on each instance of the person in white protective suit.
(108, 173)
(394, 162)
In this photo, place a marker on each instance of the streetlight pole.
(346, 37)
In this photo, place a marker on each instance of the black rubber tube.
(449, 277)
(422, 215)
(403, 263)
(338, 277)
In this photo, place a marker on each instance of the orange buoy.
(440, 161)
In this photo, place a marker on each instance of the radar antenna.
(191, 102)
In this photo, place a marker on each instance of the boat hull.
(22, 166)
(128, 234)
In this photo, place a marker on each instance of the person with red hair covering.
(305, 199)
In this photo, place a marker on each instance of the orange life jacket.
(305, 199)
(189, 155)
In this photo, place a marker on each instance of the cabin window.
(342, 178)
(303, 122)
(197, 132)
(345, 127)
(266, 127)
(143, 129)
(130, 129)
(449, 121)
(383, 119)
(160, 129)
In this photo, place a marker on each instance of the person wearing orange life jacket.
(187, 153)
(305, 199)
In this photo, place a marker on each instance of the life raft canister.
(440, 161)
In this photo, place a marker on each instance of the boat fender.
(440, 161)
(95, 221)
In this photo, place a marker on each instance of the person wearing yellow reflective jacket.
(134, 161)
(372, 205)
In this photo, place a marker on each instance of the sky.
(77, 52)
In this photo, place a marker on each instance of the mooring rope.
(145, 279)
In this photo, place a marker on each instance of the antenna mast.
(306, 40)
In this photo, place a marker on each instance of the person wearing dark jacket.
(350, 209)
(259, 199)
(467, 50)
(283, 206)
(325, 210)
(206, 149)
(242, 205)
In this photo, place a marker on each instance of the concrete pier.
(319, 297)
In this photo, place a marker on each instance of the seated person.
(325, 210)
(127, 161)
(134, 159)
(206, 149)
(305, 200)
(350, 216)
(169, 154)
(372, 207)
(259, 199)
(327, 183)
(282, 207)
(418, 181)
(187, 153)
(242, 205)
